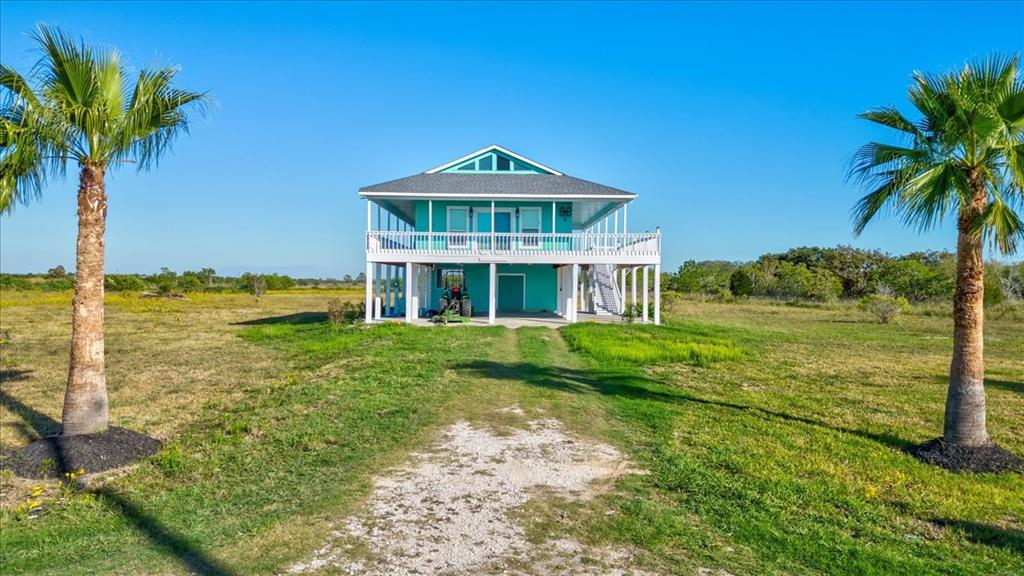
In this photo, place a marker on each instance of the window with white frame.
(458, 226)
(529, 223)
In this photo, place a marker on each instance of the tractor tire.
(467, 307)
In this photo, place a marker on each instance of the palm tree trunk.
(85, 401)
(965, 401)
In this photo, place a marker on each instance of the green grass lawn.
(772, 436)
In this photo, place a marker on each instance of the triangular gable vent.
(494, 160)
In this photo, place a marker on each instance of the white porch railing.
(513, 244)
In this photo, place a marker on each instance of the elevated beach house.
(519, 238)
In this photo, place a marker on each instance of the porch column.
(386, 308)
(491, 303)
(378, 290)
(430, 225)
(632, 283)
(625, 212)
(575, 293)
(369, 292)
(411, 298)
(622, 284)
(646, 268)
(657, 294)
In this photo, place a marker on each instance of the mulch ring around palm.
(989, 458)
(53, 456)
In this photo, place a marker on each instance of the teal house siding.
(481, 214)
(541, 283)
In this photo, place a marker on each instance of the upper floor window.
(496, 162)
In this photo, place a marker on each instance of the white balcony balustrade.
(392, 243)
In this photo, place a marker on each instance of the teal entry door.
(503, 225)
(511, 292)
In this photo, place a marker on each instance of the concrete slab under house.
(494, 237)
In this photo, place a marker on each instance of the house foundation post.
(411, 297)
(622, 290)
(645, 314)
(369, 292)
(633, 285)
(657, 294)
(491, 303)
(575, 294)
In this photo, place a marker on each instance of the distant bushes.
(827, 274)
(167, 281)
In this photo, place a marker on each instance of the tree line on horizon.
(167, 281)
(842, 272)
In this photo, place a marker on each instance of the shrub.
(59, 284)
(191, 282)
(166, 282)
(885, 308)
(123, 283)
(740, 283)
(823, 285)
(12, 282)
(341, 312)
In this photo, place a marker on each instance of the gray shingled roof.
(448, 183)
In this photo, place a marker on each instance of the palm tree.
(964, 155)
(80, 108)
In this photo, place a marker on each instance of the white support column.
(632, 283)
(575, 294)
(411, 304)
(625, 212)
(622, 291)
(554, 222)
(369, 292)
(369, 215)
(646, 268)
(378, 289)
(657, 294)
(387, 290)
(493, 247)
(491, 300)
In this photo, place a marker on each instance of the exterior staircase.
(606, 293)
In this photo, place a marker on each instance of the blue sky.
(732, 121)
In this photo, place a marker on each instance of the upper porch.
(520, 247)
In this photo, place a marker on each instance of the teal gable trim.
(494, 162)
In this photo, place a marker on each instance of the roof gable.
(494, 160)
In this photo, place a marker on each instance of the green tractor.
(456, 306)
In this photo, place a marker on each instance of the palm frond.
(1001, 225)
(156, 114)
(892, 118)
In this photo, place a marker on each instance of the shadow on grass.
(297, 318)
(987, 534)
(33, 422)
(640, 387)
(1007, 385)
(186, 551)
(161, 537)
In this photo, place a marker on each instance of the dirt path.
(452, 508)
